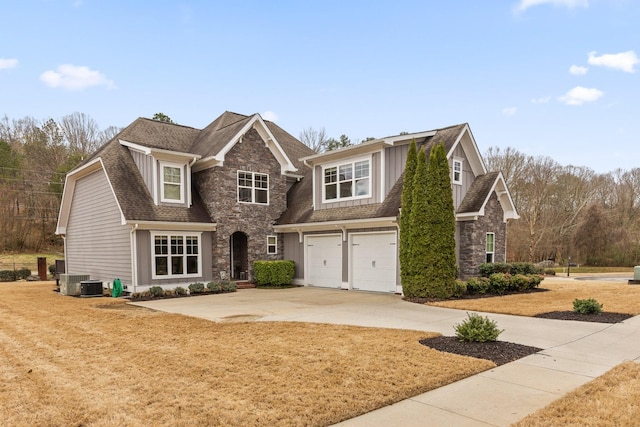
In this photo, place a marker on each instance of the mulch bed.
(604, 317)
(499, 352)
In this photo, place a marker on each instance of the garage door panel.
(373, 261)
(324, 260)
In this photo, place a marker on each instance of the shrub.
(274, 272)
(156, 291)
(550, 272)
(499, 283)
(215, 287)
(52, 269)
(459, 288)
(196, 288)
(180, 291)
(8, 276)
(587, 306)
(477, 328)
(525, 268)
(228, 286)
(478, 285)
(23, 273)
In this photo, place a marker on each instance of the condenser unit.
(70, 283)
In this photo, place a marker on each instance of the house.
(168, 205)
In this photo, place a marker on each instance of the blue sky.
(547, 77)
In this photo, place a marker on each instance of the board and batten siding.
(460, 190)
(97, 243)
(396, 160)
(145, 166)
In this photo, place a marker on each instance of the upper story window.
(172, 182)
(176, 255)
(347, 181)
(253, 187)
(457, 172)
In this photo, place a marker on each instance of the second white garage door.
(373, 261)
(324, 260)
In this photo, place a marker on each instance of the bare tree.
(315, 139)
(81, 133)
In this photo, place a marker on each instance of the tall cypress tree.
(418, 225)
(405, 213)
(440, 259)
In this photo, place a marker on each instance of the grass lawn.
(98, 361)
(617, 297)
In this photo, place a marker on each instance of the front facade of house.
(168, 205)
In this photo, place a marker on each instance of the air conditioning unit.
(91, 288)
(70, 283)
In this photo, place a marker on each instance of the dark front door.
(239, 258)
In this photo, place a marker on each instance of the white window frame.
(353, 179)
(184, 235)
(253, 188)
(491, 252)
(457, 181)
(162, 183)
(273, 245)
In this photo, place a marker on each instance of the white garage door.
(373, 261)
(324, 261)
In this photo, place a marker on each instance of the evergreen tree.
(415, 285)
(405, 213)
(440, 262)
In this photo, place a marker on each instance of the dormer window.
(347, 181)
(253, 187)
(456, 172)
(172, 182)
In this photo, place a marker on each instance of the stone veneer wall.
(218, 189)
(472, 239)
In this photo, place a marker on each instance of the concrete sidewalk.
(573, 352)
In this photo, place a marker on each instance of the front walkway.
(573, 352)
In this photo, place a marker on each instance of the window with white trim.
(171, 182)
(490, 247)
(456, 171)
(176, 255)
(253, 187)
(272, 245)
(347, 181)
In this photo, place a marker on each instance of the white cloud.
(73, 77)
(579, 95)
(510, 111)
(541, 100)
(526, 4)
(270, 115)
(624, 61)
(577, 70)
(8, 63)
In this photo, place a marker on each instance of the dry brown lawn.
(68, 361)
(610, 400)
(617, 297)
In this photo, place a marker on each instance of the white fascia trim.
(206, 163)
(172, 226)
(391, 221)
(504, 198)
(159, 153)
(474, 158)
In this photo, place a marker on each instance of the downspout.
(134, 258)
(64, 248)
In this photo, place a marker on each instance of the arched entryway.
(239, 256)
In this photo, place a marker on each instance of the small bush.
(525, 268)
(274, 272)
(499, 283)
(215, 287)
(550, 272)
(459, 288)
(196, 288)
(52, 269)
(228, 286)
(478, 285)
(156, 291)
(587, 306)
(180, 291)
(8, 276)
(477, 328)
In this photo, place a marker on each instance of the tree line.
(569, 213)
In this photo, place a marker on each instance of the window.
(457, 172)
(171, 182)
(272, 245)
(176, 255)
(253, 187)
(347, 181)
(491, 246)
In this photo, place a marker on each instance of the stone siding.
(472, 234)
(219, 190)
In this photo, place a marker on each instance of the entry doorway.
(239, 256)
